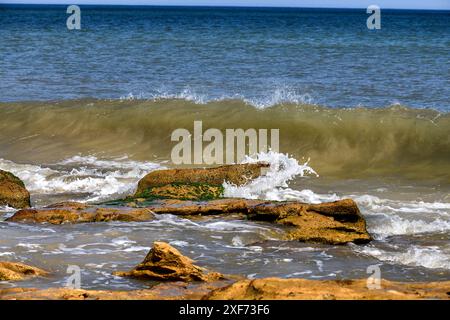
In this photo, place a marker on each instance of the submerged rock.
(12, 191)
(299, 289)
(196, 183)
(165, 263)
(74, 212)
(12, 271)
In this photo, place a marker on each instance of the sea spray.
(274, 184)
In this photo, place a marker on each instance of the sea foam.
(98, 179)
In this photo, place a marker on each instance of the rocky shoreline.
(182, 280)
(198, 194)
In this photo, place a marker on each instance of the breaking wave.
(352, 142)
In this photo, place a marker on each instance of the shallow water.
(410, 224)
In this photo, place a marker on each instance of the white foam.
(100, 179)
(279, 95)
(429, 257)
(391, 225)
(282, 94)
(6, 209)
(386, 217)
(375, 204)
(274, 184)
(186, 94)
(179, 243)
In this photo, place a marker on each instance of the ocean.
(84, 114)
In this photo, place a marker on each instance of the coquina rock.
(74, 212)
(12, 271)
(300, 289)
(12, 191)
(336, 222)
(258, 289)
(196, 183)
(161, 291)
(165, 263)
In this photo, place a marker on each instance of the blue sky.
(402, 4)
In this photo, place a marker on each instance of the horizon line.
(213, 6)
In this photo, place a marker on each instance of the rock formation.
(299, 289)
(196, 183)
(74, 212)
(12, 271)
(12, 191)
(336, 222)
(165, 263)
(259, 289)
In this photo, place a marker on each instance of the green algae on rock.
(196, 183)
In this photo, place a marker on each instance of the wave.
(281, 94)
(348, 142)
(422, 256)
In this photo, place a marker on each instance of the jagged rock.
(300, 289)
(74, 212)
(336, 222)
(12, 191)
(165, 263)
(12, 271)
(196, 183)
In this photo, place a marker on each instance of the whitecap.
(424, 256)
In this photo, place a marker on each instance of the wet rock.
(259, 289)
(336, 222)
(12, 271)
(196, 183)
(165, 263)
(299, 289)
(201, 208)
(12, 191)
(74, 212)
(163, 291)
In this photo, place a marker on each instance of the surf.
(349, 142)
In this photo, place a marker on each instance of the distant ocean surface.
(264, 56)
